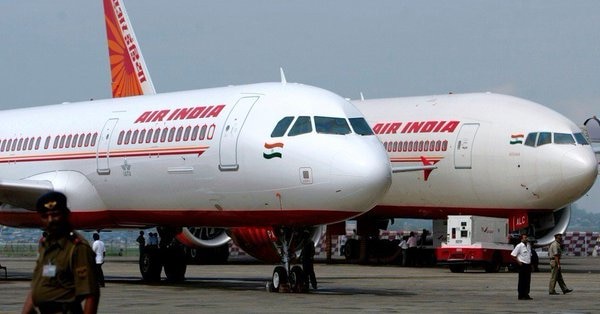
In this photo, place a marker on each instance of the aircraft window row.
(542, 138)
(60, 141)
(167, 134)
(416, 146)
(323, 125)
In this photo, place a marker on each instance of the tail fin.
(128, 69)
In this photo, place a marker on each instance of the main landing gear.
(168, 254)
(287, 278)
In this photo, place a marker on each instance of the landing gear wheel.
(175, 266)
(150, 265)
(298, 280)
(280, 279)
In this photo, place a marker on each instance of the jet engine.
(205, 245)
(545, 226)
(261, 242)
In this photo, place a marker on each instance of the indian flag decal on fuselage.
(516, 139)
(274, 150)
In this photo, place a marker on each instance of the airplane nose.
(579, 169)
(364, 176)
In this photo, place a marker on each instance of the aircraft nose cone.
(364, 177)
(579, 169)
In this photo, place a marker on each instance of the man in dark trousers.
(65, 271)
(307, 256)
(522, 255)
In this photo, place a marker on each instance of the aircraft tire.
(298, 280)
(279, 279)
(150, 265)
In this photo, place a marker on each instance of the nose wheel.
(286, 278)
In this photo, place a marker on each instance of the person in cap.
(555, 253)
(64, 275)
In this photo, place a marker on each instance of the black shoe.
(567, 291)
(554, 293)
(526, 298)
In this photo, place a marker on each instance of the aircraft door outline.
(231, 133)
(103, 150)
(463, 149)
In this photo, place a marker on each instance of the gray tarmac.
(240, 287)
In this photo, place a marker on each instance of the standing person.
(64, 274)
(555, 253)
(522, 254)
(412, 249)
(404, 247)
(141, 241)
(100, 251)
(307, 256)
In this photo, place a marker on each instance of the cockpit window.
(282, 126)
(301, 126)
(530, 140)
(329, 125)
(563, 138)
(581, 139)
(360, 126)
(544, 138)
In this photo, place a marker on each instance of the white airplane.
(471, 154)
(475, 154)
(279, 155)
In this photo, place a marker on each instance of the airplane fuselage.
(485, 166)
(198, 158)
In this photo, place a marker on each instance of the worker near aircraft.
(65, 271)
(555, 253)
(522, 255)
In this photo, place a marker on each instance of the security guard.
(64, 274)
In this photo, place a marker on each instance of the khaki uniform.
(64, 273)
(555, 272)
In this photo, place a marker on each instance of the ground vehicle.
(475, 240)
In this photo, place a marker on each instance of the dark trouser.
(524, 280)
(100, 274)
(309, 270)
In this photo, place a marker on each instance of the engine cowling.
(261, 242)
(203, 237)
(547, 225)
(205, 245)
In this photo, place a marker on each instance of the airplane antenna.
(362, 97)
(283, 80)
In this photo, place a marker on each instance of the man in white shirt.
(98, 248)
(522, 255)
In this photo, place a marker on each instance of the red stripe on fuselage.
(113, 154)
(109, 219)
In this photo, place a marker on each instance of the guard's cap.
(558, 234)
(52, 202)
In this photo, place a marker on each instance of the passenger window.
(360, 126)
(581, 139)
(282, 126)
(544, 138)
(329, 125)
(530, 140)
(563, 138)
(301, 126)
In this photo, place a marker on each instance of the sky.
(547, 51)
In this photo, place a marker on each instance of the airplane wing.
(23, 193)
